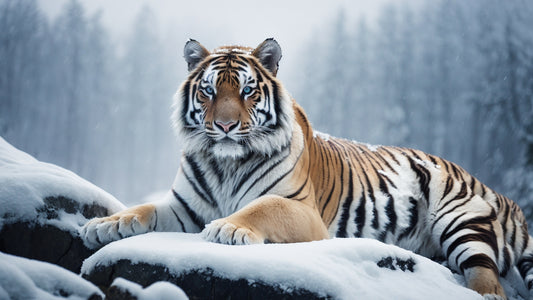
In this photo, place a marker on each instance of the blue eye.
(209, 90)
(247, 90)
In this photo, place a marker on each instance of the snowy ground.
(342, 268)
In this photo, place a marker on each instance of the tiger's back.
(416, 201)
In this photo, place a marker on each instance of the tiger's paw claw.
(224, 232)
(100, 231)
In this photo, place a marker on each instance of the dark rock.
(54, 204)
(47, 242)
(117, 293)
(197, 284)
(44, 242)
(394, 263)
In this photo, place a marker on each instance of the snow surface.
(160, 290)
(322, 135)
(326, 137)
(342, 268)
(25, 182)
(22, 278)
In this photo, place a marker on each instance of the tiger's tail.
(525, 266)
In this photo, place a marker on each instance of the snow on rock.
(41, 202)
(30, 188)
(22, 278)
(161, 290)
(338, 268)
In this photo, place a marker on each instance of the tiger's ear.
(269, 54)
(194, 53)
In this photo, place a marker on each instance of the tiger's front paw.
(224, 232)
(100, 231)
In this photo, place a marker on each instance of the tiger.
(254, 171)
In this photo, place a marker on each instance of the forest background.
(453, 78)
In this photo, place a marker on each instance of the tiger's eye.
(247, 90)
(209, 90)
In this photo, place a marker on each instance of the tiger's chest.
(218, 188)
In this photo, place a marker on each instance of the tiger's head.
(231, 103)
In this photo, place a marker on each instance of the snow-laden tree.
(516, 92)
(22, 66)
(69, 73)
(453, 78)
(146, 87)
(389, 62)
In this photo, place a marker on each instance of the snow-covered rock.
(338, 268)
(41, 203)
(161, 290)
(42, 208)
(22, 278)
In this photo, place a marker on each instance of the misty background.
(88, 86)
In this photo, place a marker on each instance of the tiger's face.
(231, 104)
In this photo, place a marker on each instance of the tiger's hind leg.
(471, 239)
(485, 281)
(525, 266)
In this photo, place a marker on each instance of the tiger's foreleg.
(472, 239)
(267, 219)
(165, 215)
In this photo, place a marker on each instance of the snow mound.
(42, 208)
(338, 268)
(22, 278)
(44, 193)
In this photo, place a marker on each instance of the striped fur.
(254, 171)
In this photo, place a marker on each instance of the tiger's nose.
(226, 126)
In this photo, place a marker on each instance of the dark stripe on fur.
(461, 194)
(247, 176)
(155, 223)
(360, 216)
(459, 256)
(389, 210)
(484, 236)
(178, 218)
(345, 215)
(200, 178)
(299, 189)
(424, 177)
(413, 218)
(375, 219)
(281, 177)
(525, 264)
(185, 101)
(341, 163)
(391, 155)
(266, 173)
(448, 188)
(469, 223)
(443, 236)
(448, 211)
(194, 217)
(479, 260)
(506, 262)
(196, 188)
